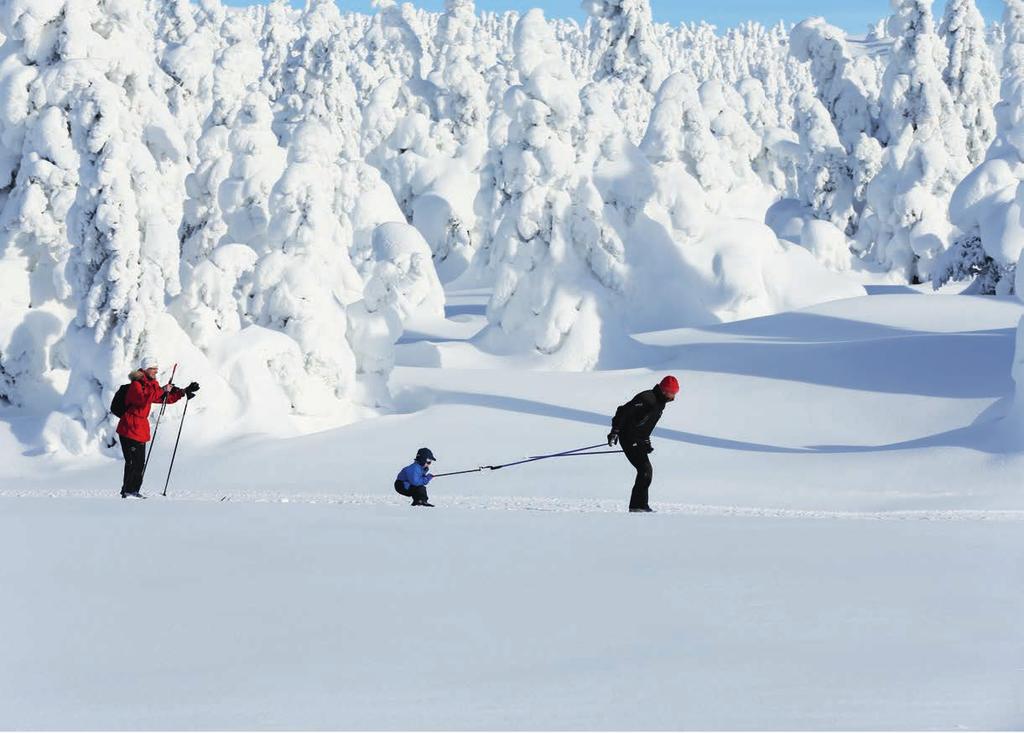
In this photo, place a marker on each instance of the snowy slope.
(184, 615)
(482, 233)
(888, 402)
(838, 546)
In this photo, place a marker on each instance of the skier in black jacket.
(632, 427)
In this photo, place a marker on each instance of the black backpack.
(117, 406)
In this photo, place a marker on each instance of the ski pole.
(175, 453)
(156, 429)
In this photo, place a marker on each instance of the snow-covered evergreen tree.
(203, 224)
(390, 49)
(319, 95)
(402, 287)
(826, 180)
(95, 168)
(235, 74)
(739, 144)
(276, 37)
(926, 153)
(188, 37)
(970, 74)
(848, 88)
(989, 203)
(462, 100)
(838, 81)
(680, 130)
(403, 275)
(628, 58)
(314, 82)
(547, 300)
(303, 281)
(256, 164)
(226, 219)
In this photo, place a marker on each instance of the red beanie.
(669, 385)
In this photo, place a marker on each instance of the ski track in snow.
(536, 504)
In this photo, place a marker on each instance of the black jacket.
(636, 419)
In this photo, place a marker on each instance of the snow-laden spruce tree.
(838, 81)
(926, 151)
(601, 145)
(825, 179)
(303, 281)
(256, 164)
(202, 223)
(188, 37)
(739, 144)
(229, 206)
(233, 77)
(402, 287)
(314, 82)
(913, 94)
(549, 299)
(433, 165)
(276, 37)
(458, 73)
(970, 74)
(400, 134)
(237, 67)
(403, 277)
(988, 204)
(628, 58)
(674, 230)
(389, 49)
(847, 86)
(680, 130)
(317, 93)
(94, 165)
(761, 114)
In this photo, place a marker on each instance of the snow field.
(789, 412)
(190, 614)
(482, 233)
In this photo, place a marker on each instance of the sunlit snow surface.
(179, 615)
(839, 545)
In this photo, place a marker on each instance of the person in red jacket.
(133, 428)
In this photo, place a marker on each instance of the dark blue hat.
(424, 454)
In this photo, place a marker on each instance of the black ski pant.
(638, 456)
(134, 464)
(416, 493)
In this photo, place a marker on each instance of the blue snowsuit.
(412, 482)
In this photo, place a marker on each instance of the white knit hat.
(149, 361)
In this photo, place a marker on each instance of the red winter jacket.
(142, 393)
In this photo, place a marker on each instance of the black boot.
(641, 510)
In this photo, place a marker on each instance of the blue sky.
(853, 16)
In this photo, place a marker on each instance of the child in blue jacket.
(413, 479)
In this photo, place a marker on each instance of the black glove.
(190, 391)
(647, 445)
(613, 438)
